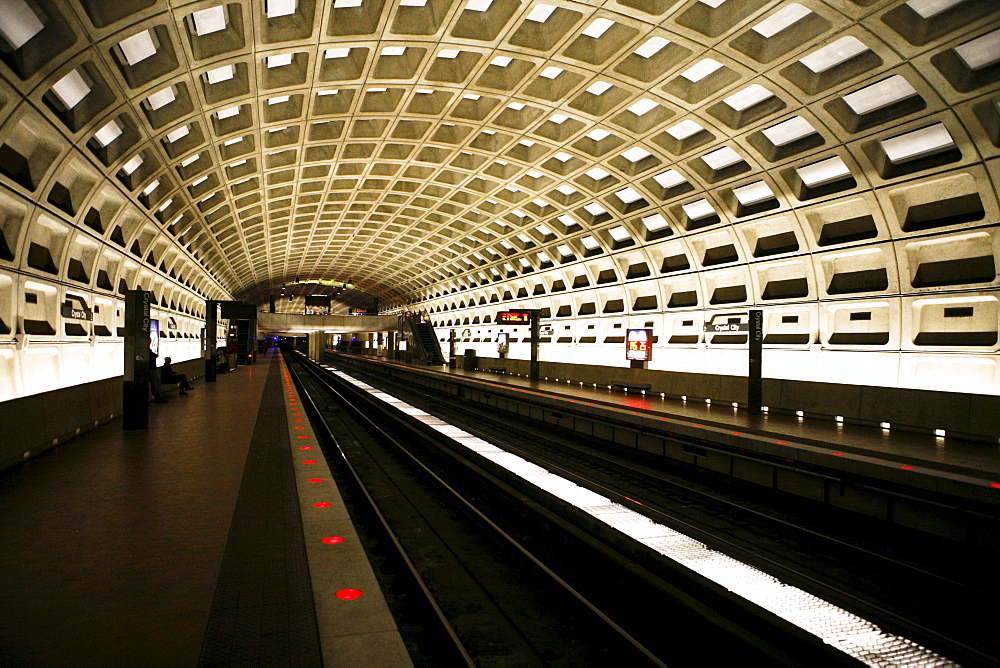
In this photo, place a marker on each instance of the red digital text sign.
(514, 317)
(639, 345)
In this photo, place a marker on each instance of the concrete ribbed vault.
(610, 163)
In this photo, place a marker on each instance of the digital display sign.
(514, 317)
(639, 345)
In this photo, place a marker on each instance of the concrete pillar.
(208, 341)
(135, 392)
(315, 340)
(755, 388)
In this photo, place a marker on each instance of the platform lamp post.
(208, 340)
(135, 390)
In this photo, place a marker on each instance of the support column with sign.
(135, 391)
(525, 317)
(208, 341)
(535, 335)
(755, 387)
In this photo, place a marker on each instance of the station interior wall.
(880, 271)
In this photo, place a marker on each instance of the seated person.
(154, 380)
(167, 375)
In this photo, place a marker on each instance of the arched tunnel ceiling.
(401, 144)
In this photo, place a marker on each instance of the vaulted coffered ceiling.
(400, 145)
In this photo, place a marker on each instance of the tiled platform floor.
(112, 544)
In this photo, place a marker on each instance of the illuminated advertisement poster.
(639, 345)
(154, 337)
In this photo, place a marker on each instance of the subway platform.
(895, 446)
(207, 539)
(945, 454)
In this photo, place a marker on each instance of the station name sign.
(514, 317)
(716, 327)
(639, 345)
(76, 313)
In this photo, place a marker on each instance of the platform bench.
(628, 385)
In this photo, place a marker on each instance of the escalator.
(422, 341)
(245, 340)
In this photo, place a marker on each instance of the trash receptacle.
(470, 360)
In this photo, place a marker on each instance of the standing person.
(232, 350)
(168, 375)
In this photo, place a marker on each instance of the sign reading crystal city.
(76, 313)
(755, 383)
(639, 345)
(514, 318)
(720, 327)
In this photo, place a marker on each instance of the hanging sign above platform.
(514, 318)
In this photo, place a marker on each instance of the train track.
(462, 565)
(505, 579)
(917, 598)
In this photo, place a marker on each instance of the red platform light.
(908, 468)
(315, 480)
(297, 420)
(348, 594)
(303, 437)
(333, 540)
(305, 447)
(782, 442)
(995, 485)
(322, 504)
(838, 453)
(737, 433)
(308, 461)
